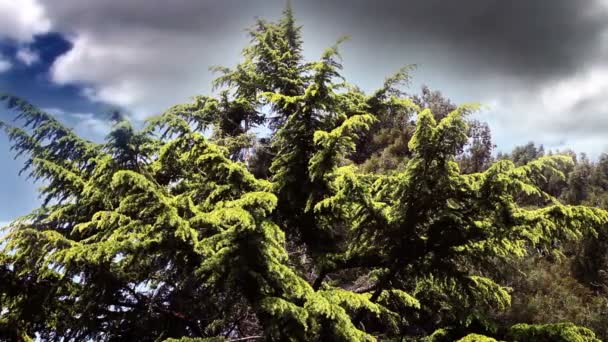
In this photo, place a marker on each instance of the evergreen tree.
(164, 234)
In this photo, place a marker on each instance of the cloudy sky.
(539, 67)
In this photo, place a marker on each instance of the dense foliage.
(361, 217)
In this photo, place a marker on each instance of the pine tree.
(165, 234)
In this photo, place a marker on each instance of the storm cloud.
(528, 38)
(542, 67)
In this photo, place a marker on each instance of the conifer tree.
(165, 234)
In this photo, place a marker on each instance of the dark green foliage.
(166, 234)
(477, 156)
(546, 291)
(524, 154)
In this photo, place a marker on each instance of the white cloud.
(27, 56)
(134, 73)
(5, 64)
(22, 19)
(570, 112)
(90, 125)
(589, 88)
(148, 55)
(87, 125)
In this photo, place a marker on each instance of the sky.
(540, 68)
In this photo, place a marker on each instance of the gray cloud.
(540, 64)
(529, 38)
(205, 16)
